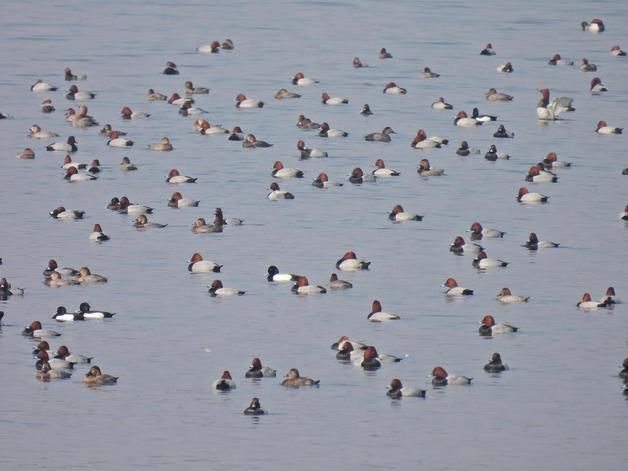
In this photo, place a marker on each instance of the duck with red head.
(603, 128)
(307, 153)
(97, 234)
(493, 95)
(224, 383)
(171, 69)
(588, 304)
(116, 140)
(556, 59)
(396, 390)
(73, 175)
(357, 176)
(552, 161)
(462, 120)
(256, 370)
(482, 261)
(198, 265)
(128, 113)
(7, 290)
(303, 286)
(382, 171)
(440, 377)
(369, 359)
(533, 243)
(302, 81)
(142, 222)
(624, 214)
(506, 297)
(335, 100)
(243, 102)
(294, 380)
(279, 171)
(327, 131)
(211, 48)
(460, 247)
(489, 327)
(322, 181)
(216, 289)
(35, 330)
(421, 141)
(68, 146)
(596, 26)
(126, 207)
(175, 177)
(525, 197)
(617, 51)
(426, 170)
(397, 214)
(220, 220)
(392, 88)
(495, 365)
(377, 315)
(236, 134)
(64, 353)
(478, 232)
(350, 262)
(69, 76)
(277, 194)
(610, 297)
(55, 363)
(596, 87)
(454, 290)
(335, 283)
(178, 201)
(54, 267)
(538, 174)
(75, 94)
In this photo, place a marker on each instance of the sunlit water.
(559, 407)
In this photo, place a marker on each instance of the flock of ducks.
(59, 365)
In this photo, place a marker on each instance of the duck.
(152, 95)
(73, 175)
(462, 120)
(596, 26)
(97, 234)
(552, 161)
(207, 129)
(69, 76)
(441, 105)
(64, 353)
(617, 51)
(276, 193)
(482, 261)
(212, 48)
(128, 113)
(506, 297)
(376, 314)
(279, 171)
(350, 262)
(589, 305)
(494, 95)
(243, 102)
(95, 377)
(255, 408)
(382, 171)
(533, 243)
(273, 274)
(88, 313)
(550, 111)
(538, 174)
(41, 86)
(384, 54)
(369, 360)
(163, 145)
(391, 88)
(85, 276)
(483, 118)
(558, 60)
(502, 133)
(171, 69)
(55, 281)
(115, 140)
(383, 136)
(326, 131)
(421, 141)
(220, 220)
(175, 177)
(94, 167)
(303, 286)
(610, 297)
(396, 390)
(198, 265)
(126, 207)
(7, 290)
(307, 153)
(256, 370)
(478, 232)
(26, 154)
(141, 222)
(488, 50)
(188, 110)
(190, 89)
(251, 142)
(339, 345)
(489, 327)
(62, 314)
(224, 383)
(495, 365)
(227, 45)
(603, 128)
(69, 146)
(217, 290)
(524, 196)
(177, 100)
(200, 226)
(505, 68)
(46, 106)
(454, 290)
(322, 181)
(336, 283)
(366, 110)
(426, 170)
(624, 214)
(35, 132)
(283, 94)
(107, 130)
(397, 214)
(302, 81)
(585, 66)
(358, 64)
(294, 380)
(427, 73)
(35, 330)
(460, 247)
(464, 150)
(440, 377)
(306, 123)
(54, 267)
(178, 201)
(336, 100)
(62, 213)
(597, 87)
(75, 94)
(126, 165)
(624, 372)
(46, 373)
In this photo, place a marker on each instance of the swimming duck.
(460, 247)
(55, 363)
(382, 171)
(307, 153)
(190, 89)
(558, 60)
(35, 330)
(47, 106)
(94, 167)
(178, 201)
(495, 365)
(384, 54)
(279, 171)
(366, 110)
(294, 380)
(617, 51)
(7, 290)
(624, 372)
(256, 370)
(494, 95)
(369, 359)
(41, 86)
(336, 100)
(69, 76)
(421, 141)
(376, 314)
(54, 267)
(95, 377)
(126, 207)
(322, 181)
(276, 193)
(538, 174)
(55, 281)
(88, 313)
(488, 50)
(152, 95)
(427, 73)
(26, 154)
(596, 26)
(171, 69)
(217, 290)
(85, 276)
(587, 304)
(397, 214)
(188, 110)
(175, 177)
(128, 113)
(35, 132)
(75, 94)
(585, 66)
(462, 120)
(603, 128)
(302, 81)
(243, 102)
(350, 262)
(482, 261)
(274, 275)
(533, 243)
(597, 87)
(326, 131)
(624, 214)
(62, 213)
(426, 170)
(489, 327)
(502, 133)
(97, 234)
(552, 161)
(464, 150)
(69, 146)
(610, 297)
(283, 94)
(107, 130)
(46, 373)
(212, 48)
(343, 340)
(335, 283)
(303, 286)
(550, 111)
(141, 222)
(163, 145)
(224, 383)
(255, 408)
(306, 123)
(207, 129)
(392, 88)
(506, 297)
(178, 100)
(505, 68)
(478, 232)
(227, 45)
(440, 377)
(396, 390)
(126, 165)
(383, 136)
(524, 196)
(198, 265)
(219, 219)
(454, 289)
(251, 142)
(358, 64)
(73, 175)
(441, 104)
(64, 353)
(200, 226)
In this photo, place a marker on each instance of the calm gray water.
(559, 407)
